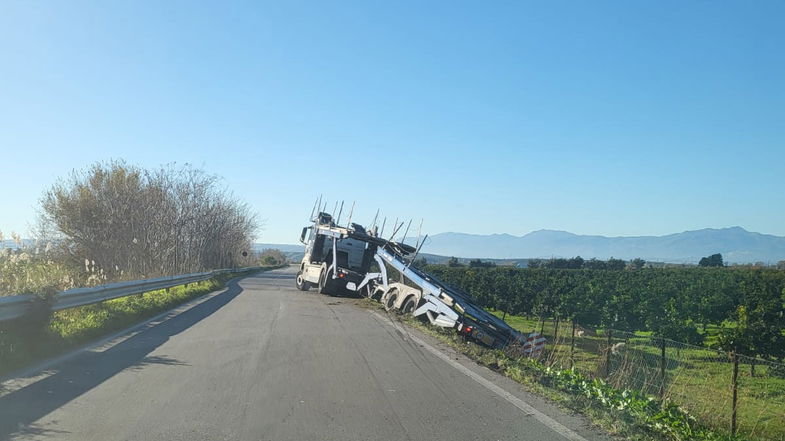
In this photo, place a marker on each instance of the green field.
(697, 379)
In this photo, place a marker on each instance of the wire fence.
(734, 393)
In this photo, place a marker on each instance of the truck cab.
(333, 257)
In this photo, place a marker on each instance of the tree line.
(747, 304)
(127, 221)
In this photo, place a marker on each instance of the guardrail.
(12, 307)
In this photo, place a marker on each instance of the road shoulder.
(564, 421)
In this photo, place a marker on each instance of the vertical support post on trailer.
(463, 323)
(351, 212)
(403, 238)
(335, 257)
(338, 221)
(382, 270)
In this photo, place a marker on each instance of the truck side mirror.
(302, 236)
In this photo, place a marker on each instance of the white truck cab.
(333, 260)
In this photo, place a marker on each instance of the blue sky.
(614, 118)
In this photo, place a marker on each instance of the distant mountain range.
(286, 248)
(8, 243)
(294, 253)
(736, 245)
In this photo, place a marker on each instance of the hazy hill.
(286, 248)
(736, 244)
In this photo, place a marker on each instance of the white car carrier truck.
(350, 259)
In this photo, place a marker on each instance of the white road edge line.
(512, 399)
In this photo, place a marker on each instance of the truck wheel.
(302, 284)
(390, 303)
(324, 283)
(409, 305)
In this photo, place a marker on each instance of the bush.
(24, 271)
(272, 257)
(142, 223)
(777, 371)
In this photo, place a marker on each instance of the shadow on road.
(21, 408)
(157, 359)
(289, 276)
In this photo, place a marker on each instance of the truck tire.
(389, 305)
(409, 305)
(302, 284)
(325, 283)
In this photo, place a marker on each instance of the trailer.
(350, 259)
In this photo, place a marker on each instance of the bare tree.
(133, 222)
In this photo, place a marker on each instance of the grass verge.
(699, 379)
(624, 413)
(31, 340)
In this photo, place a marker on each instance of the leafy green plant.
(639, 414)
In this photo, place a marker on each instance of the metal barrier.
(12, 307)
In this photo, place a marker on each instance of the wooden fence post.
(608, 353)
(572, 346)
(735, 385)
(662, 368)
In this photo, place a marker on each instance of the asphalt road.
(263, 361)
